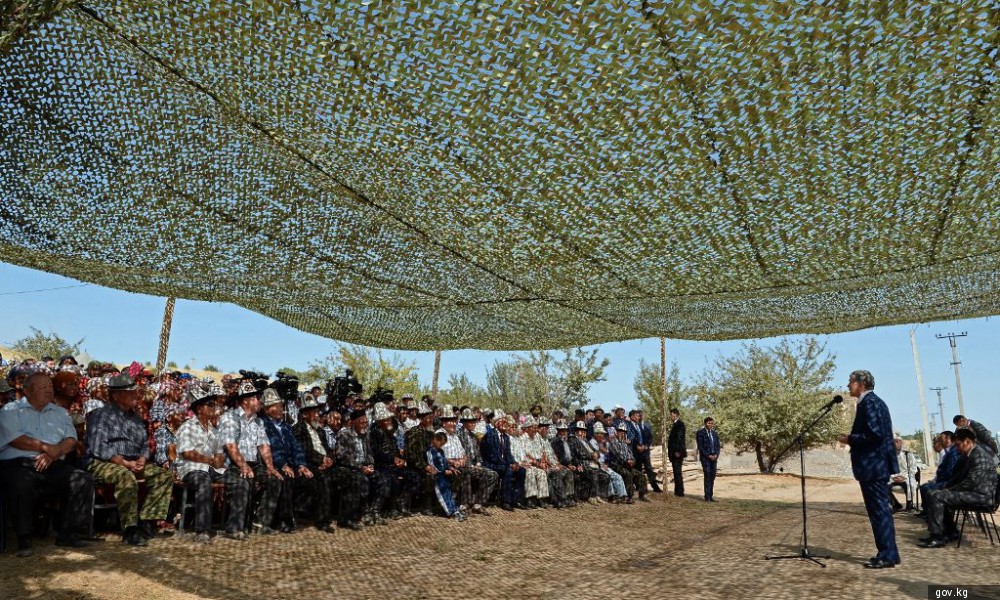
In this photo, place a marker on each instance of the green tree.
(542, 378)
(763, 397)
(650, 393)
(40, 344)
(461, 391)
(372, 367)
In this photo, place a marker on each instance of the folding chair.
(981, 513)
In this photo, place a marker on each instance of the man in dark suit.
(709, 447)
(873, 460)
(974, 483)
(983, 435)
(641, 435)
(495, 448)
(677, 447)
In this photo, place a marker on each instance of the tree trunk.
(761, 464)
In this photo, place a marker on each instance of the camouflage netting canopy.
(504, 175)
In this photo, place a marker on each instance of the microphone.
(836, 400)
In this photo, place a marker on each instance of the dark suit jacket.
(977, 474)
(565, 458)
(313, 457)
(677, 441)
(495, 448)
(707, 444)
(983, 435)
(873, 455)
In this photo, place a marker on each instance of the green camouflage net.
(508, 175)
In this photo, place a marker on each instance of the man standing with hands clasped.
(873, 460)
(708, 452)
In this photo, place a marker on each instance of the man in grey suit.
(975, 483)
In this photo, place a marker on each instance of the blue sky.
(121, 326)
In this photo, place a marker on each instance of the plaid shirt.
(453, 449)
(619, 453)
(247, 432)
(353, 450)
(193, 436)
(471, 446)
(163, 438)
(112, 431)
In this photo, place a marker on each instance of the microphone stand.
(804, 553)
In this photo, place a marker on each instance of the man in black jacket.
(983, 435)
(677, 447)
(975, 483)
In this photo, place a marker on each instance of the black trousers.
(267, 490)
(643, 461)
(200, 482)
(23, 486)
(354, 492)
(322, 490)
(677, 463)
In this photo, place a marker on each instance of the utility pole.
(928, 450)
(940, 404)
(955, 362)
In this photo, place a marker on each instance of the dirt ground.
(672, 547)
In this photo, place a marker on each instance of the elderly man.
(906, 478)
(372, 488)
(975, 483)
(248, 453)
(288, 459)
(34, 439)
(319, 458)
(873, 459)
(484, 481)
(592, 484)
(200, 458)
(622, 461)
(118, 454)
(560, 478)
(454, 453)
(536, 478)
(496, 451)
(390, 464)
(416, 444)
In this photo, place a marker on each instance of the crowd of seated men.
(966, 476)
(66, 431)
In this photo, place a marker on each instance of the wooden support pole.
(437, 371)
(168, 319)
(663, 405)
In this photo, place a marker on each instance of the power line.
(65, 287)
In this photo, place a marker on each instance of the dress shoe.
(878, 563)
(937, 542)
(287, 528)
(147, 529)
(70, 541)
(23, 547)
(132, 537)
(234, 535)
(644, 499)
(262, 530)
(507, 507)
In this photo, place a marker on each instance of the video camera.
(339, 388)
(287, 386)
(259, 380)
(381, 395)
